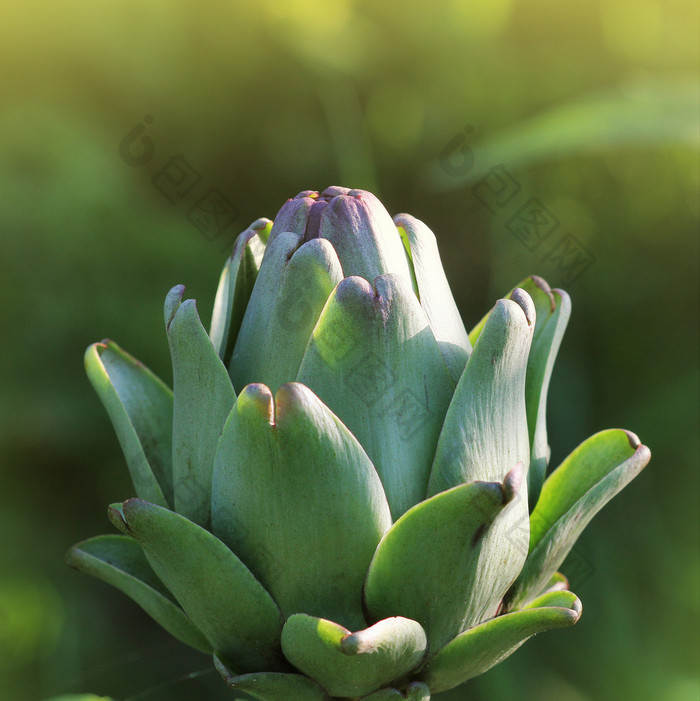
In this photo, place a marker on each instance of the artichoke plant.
(344, 495)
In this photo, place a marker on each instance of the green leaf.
(120, 561)
(430, 564)
(353, 664)
(79, 697)
(374, 361)
(141, 409)
(553, 309)
(289, 294)
(485, 430)
(478, 649)
(298, 499)
(235, 286)
(435, 294)
(272, 686)
(203, 397)
(216, 590)
(571, 496)
(485, 435)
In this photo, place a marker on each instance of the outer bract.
(344, 494)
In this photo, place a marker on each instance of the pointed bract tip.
(512, 482)
(176, 293)
(335, 190)
(132, 505)
(223, 669)
(70, 558)
(259, 397)
(99, 347)
(173, 300)
(562, 300)
(351, 287)
(241, 242)
(290, 396)
(115, 513)
(260, 229)
(633, 439)
(417, 691)
(577, 608)
(260, 223)
(543, 285)
(352, 644)
(180, 312)
(524, 301)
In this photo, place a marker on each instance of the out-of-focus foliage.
(79, 697)
(590, 107)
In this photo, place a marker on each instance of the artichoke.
(344, 495)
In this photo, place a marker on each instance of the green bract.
(344, 495)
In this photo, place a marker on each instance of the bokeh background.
(458, 112)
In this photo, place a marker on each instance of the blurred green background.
(591, 108)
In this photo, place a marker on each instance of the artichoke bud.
(345, 495)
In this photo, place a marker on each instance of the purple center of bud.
(313, 222)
